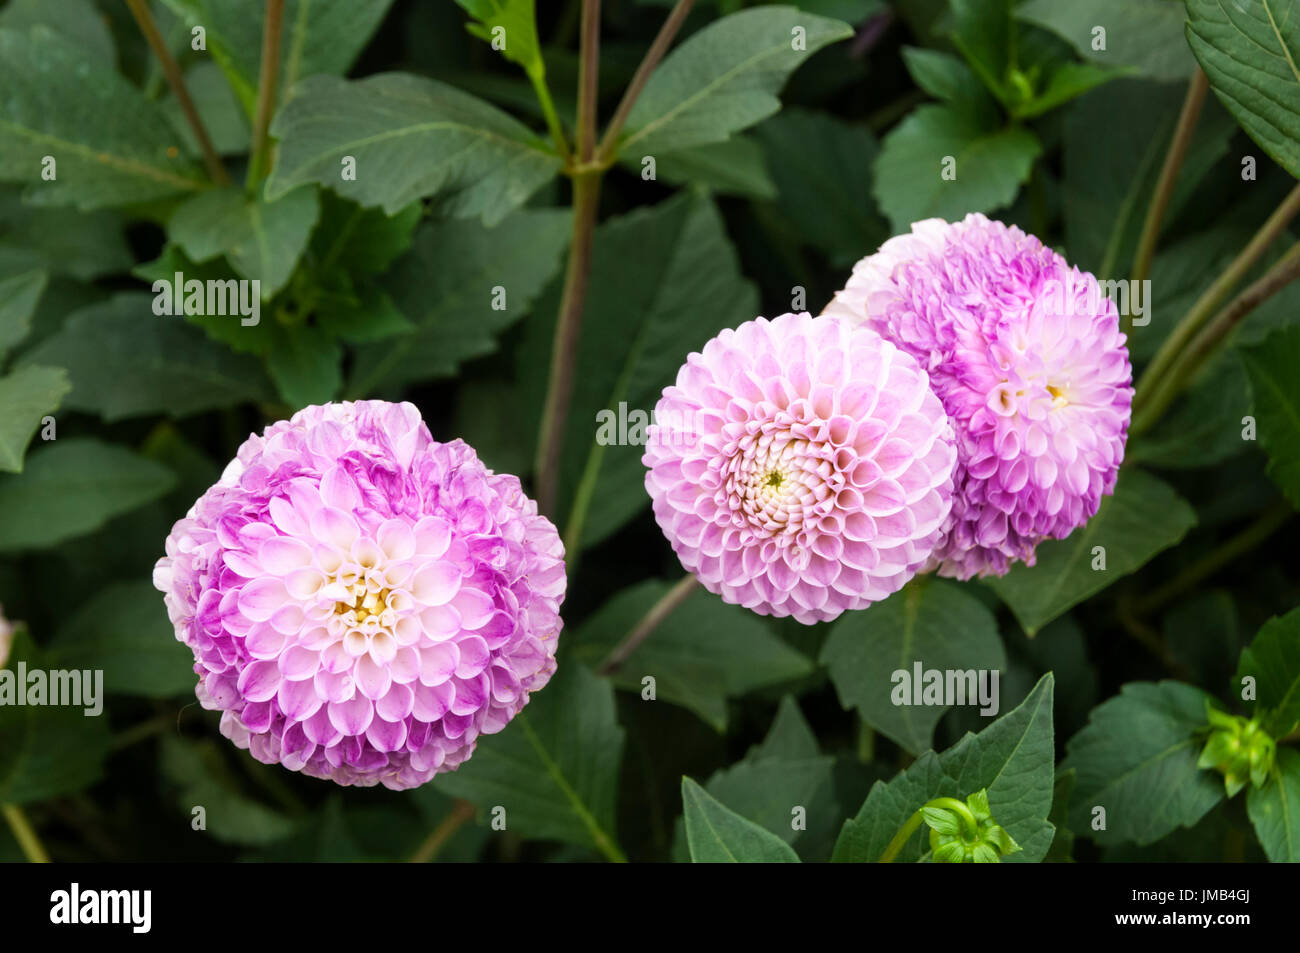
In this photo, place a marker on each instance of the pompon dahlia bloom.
(362, 601)
(1026, 354)
(800, 467)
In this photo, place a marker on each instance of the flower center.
(365, 602)
(1058, 396)
(777, 484)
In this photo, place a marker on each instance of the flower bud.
(1239, 749)
(966, 832)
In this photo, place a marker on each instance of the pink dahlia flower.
(800, 467)
(1026, 354)
(362, 601)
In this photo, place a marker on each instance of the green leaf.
(362, 240)
(933, 623)
(1249, 52)
(1273, 661)
(262, 240)
(984, 33)
(733, 166)
(784, 773)
(1062, 849)
(821, 166)
(718, 835)
(201, 779)
(1142, 518)
(36, 741)
(516, 18)
(127, 361)
(887, 808)
(18, 299)
(124, 631)
(1271, 367)
(1137, 759)
(219, 108)
(27, 396)
(305, 364)
(1205, 426)
(1146, 35)
(76, 21)
(990, 165)
(724, 78)
(410, 137)
(111, 145)
(84, 245)
(555, 767)
(947, 78)
(218, 279)
(71, 487)
(1013, 759)
(663, 281)
(319, 36)
(447, 287)
(1107, 190)
(741, 653)
(1274, 809)
(1066, 82)
(364, 317)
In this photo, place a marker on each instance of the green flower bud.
(1239, 749)
(966, 832)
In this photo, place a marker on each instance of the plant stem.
(564, 349)
(1181, 371)
(658, 48)
(460, 813)
(1268, 523)
(144, 19)
(588, 79)
(268, 78)
(661, 610)
(140, 731)
(25, 834)
(1191, 112)
(901, 838)
(1213, 296)
(959, 808)
(568, 325)
(548, 110)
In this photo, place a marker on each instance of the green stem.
(661, 610)
(904, 834)
(25, 834)
(952, 804)
(568, 325)
(1213, 296)
(909, 827)
(428, 850)
(144, 19)
(141, 731)
(1191, 111)
(658, 48)
(553, 125)
(1268, 523)
(267, 80)
(564, 348)
(1180, 372)
(588, 79)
